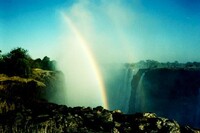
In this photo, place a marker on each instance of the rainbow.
(90, 57)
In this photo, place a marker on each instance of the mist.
(102, 36)
(105, 28)
(98, 36)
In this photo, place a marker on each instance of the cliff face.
(54, 85)
(21, 87)
(173, 93)
(43, 84)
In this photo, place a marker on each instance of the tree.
(47, 64)
(37, 63)
(17, 62)
(152, 63)
(1, 62)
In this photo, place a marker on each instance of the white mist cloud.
(104, 27)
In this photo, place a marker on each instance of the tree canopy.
(18, 62)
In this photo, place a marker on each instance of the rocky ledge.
(19, 116)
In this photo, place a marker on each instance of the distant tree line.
(18, 63)
(155, 64)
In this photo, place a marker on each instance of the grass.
(4, 78)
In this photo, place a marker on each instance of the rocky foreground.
(23, 111)
(18, 116)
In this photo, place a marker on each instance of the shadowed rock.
(37, 116)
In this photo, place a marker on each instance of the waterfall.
(139, 95)
(118, 83)
(125, 90)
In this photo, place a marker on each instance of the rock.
(106, 117)
(115, 130)
(149, 115)
(117, 111)
(167, 92)
(188, 129)
(42, 117)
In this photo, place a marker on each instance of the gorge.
(152, 99)
(169, 92)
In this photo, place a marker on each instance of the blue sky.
(124, 30)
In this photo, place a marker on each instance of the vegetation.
(18, 63)
(155, 64)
